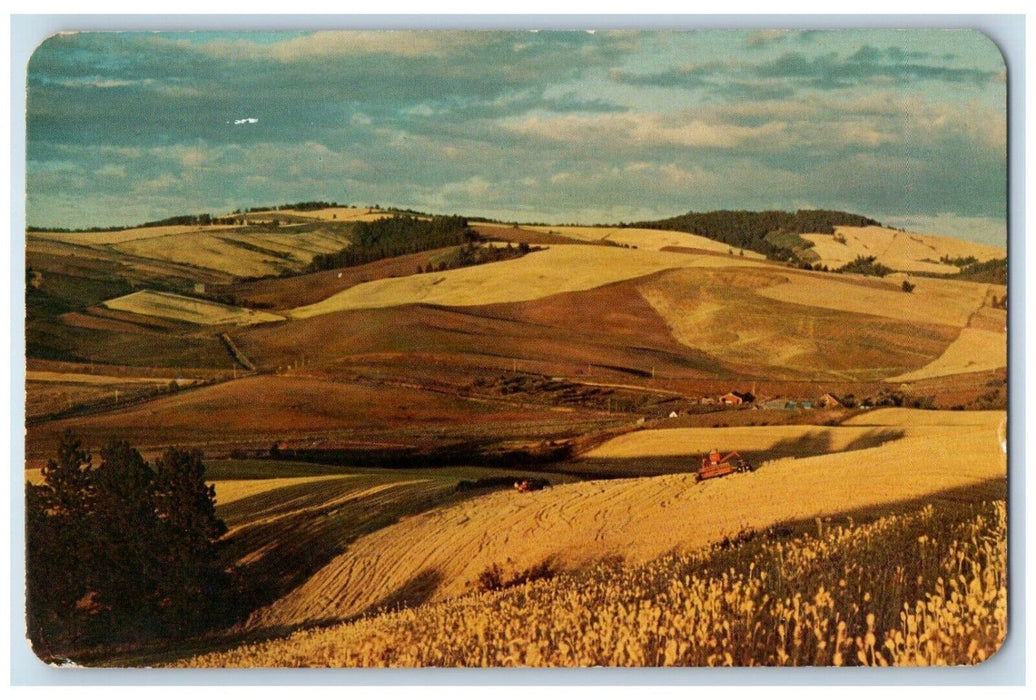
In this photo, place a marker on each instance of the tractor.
(712, 465)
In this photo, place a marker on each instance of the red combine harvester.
(712, 465)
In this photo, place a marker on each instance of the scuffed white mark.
(246, 120)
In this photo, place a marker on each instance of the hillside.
(365, 425)
(640, 519)
(724, 606)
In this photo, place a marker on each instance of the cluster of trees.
(989, 272)
(394, 236)
(121, 552)
(960, 261)
(867, 265)
(749, 229)
(474, 253)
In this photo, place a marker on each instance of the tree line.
(749, 229)
(394, 236)
(473, 253)
(121, 552)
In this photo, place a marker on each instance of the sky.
(905, 126)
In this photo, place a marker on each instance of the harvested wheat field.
(974, 351)
(698, 441)
(107, 238)
(643, 238)
(640, 519)
(736, 314)
(901, 250)
(180, 308)
(213, 251)
(329, 214)
(945, 302)
(231, 490)
(726, 605)
(558, 269)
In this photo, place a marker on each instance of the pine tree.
(191, 582)
(124, 527)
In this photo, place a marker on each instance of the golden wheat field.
(924, 588)
(697, 441)
(106, 238)
(332, 214)
(974, 351)
(901, 250)
(227, 252)
(180, 308)
(645, 238)
(554, 270)
(639, 519)
(946, 302)
(230, 490)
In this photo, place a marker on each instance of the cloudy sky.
(908, 127)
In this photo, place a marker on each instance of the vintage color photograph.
(516, 348)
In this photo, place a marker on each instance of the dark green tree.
(192, 582)
(123, 528)
(56, 555)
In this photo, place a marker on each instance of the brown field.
(903, 251)
(260, 410)
(180, 308)
(640, 519)
(52, 397)
(76, 378)
(522, 234)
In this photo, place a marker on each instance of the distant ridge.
(772, 233)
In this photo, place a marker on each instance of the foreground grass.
(923, 588)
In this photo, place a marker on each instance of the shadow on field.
(416, 591)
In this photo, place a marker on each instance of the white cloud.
(328, 44)
(644, 129)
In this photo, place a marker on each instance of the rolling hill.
(341, 410)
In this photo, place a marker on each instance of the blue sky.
(908, 127)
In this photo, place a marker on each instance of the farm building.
(736, 398)
(829, 401)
